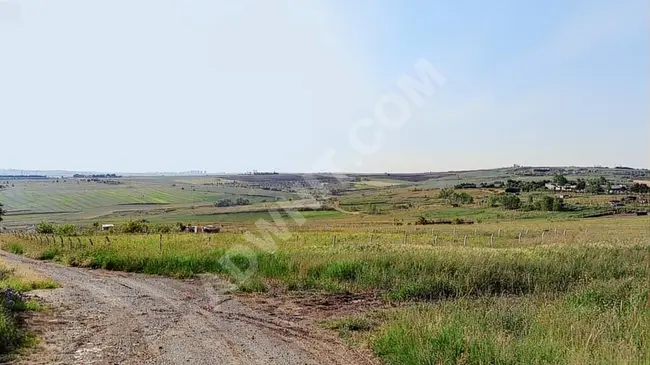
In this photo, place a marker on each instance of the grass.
(12, 334)
(550, 298)
(537, 329)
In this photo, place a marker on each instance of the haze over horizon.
(281, 85)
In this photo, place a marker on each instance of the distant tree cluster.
(455, 198)
(640, 188)
(2, 212)
(98, 176)
(62, 230)
(465, 186)
(230, 203)
(594, 186)
(526, 186)
(512, 202)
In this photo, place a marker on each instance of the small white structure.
(107, 227)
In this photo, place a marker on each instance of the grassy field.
(470, 294)
(483, 285)
(12, 335)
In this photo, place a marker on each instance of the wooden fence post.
(465, 240)
(160, 242)
(519, 237)
(492, 240)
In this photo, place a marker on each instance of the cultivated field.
(471, 294)
(408, 272)
(75, 200)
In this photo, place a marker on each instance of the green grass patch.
(12, 333)
(525, 330)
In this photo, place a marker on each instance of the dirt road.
(102, 317)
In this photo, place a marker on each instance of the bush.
(45, 228)
(66, 230)
(455, 198)
(135, 227)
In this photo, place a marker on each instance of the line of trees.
(512, 202)
(231, 203)
(455, 198)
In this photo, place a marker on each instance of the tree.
(581, 184)
(593, 186)
(560, 180)
(547, 203)
(510, 201)
(2, 212)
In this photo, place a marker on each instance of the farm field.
(406, 271)
(479, 294)
(64, 200)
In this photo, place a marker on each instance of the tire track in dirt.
(102, 317)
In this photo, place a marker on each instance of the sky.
(304, 86)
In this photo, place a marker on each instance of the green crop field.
(61, 200)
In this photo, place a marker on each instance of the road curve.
(104, 317)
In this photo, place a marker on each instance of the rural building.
(107, 227)
(617, 189)
(566, 187)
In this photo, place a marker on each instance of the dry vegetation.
(490, 286)
(477, 294)
(14, 281)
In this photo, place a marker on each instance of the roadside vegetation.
(13, 305)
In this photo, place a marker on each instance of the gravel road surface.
(104, 317)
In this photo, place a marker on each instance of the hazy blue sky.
(159, 85)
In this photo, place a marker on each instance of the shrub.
(135, 227)
(66, 230)
(45, 228)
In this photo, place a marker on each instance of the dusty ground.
(101, 317)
